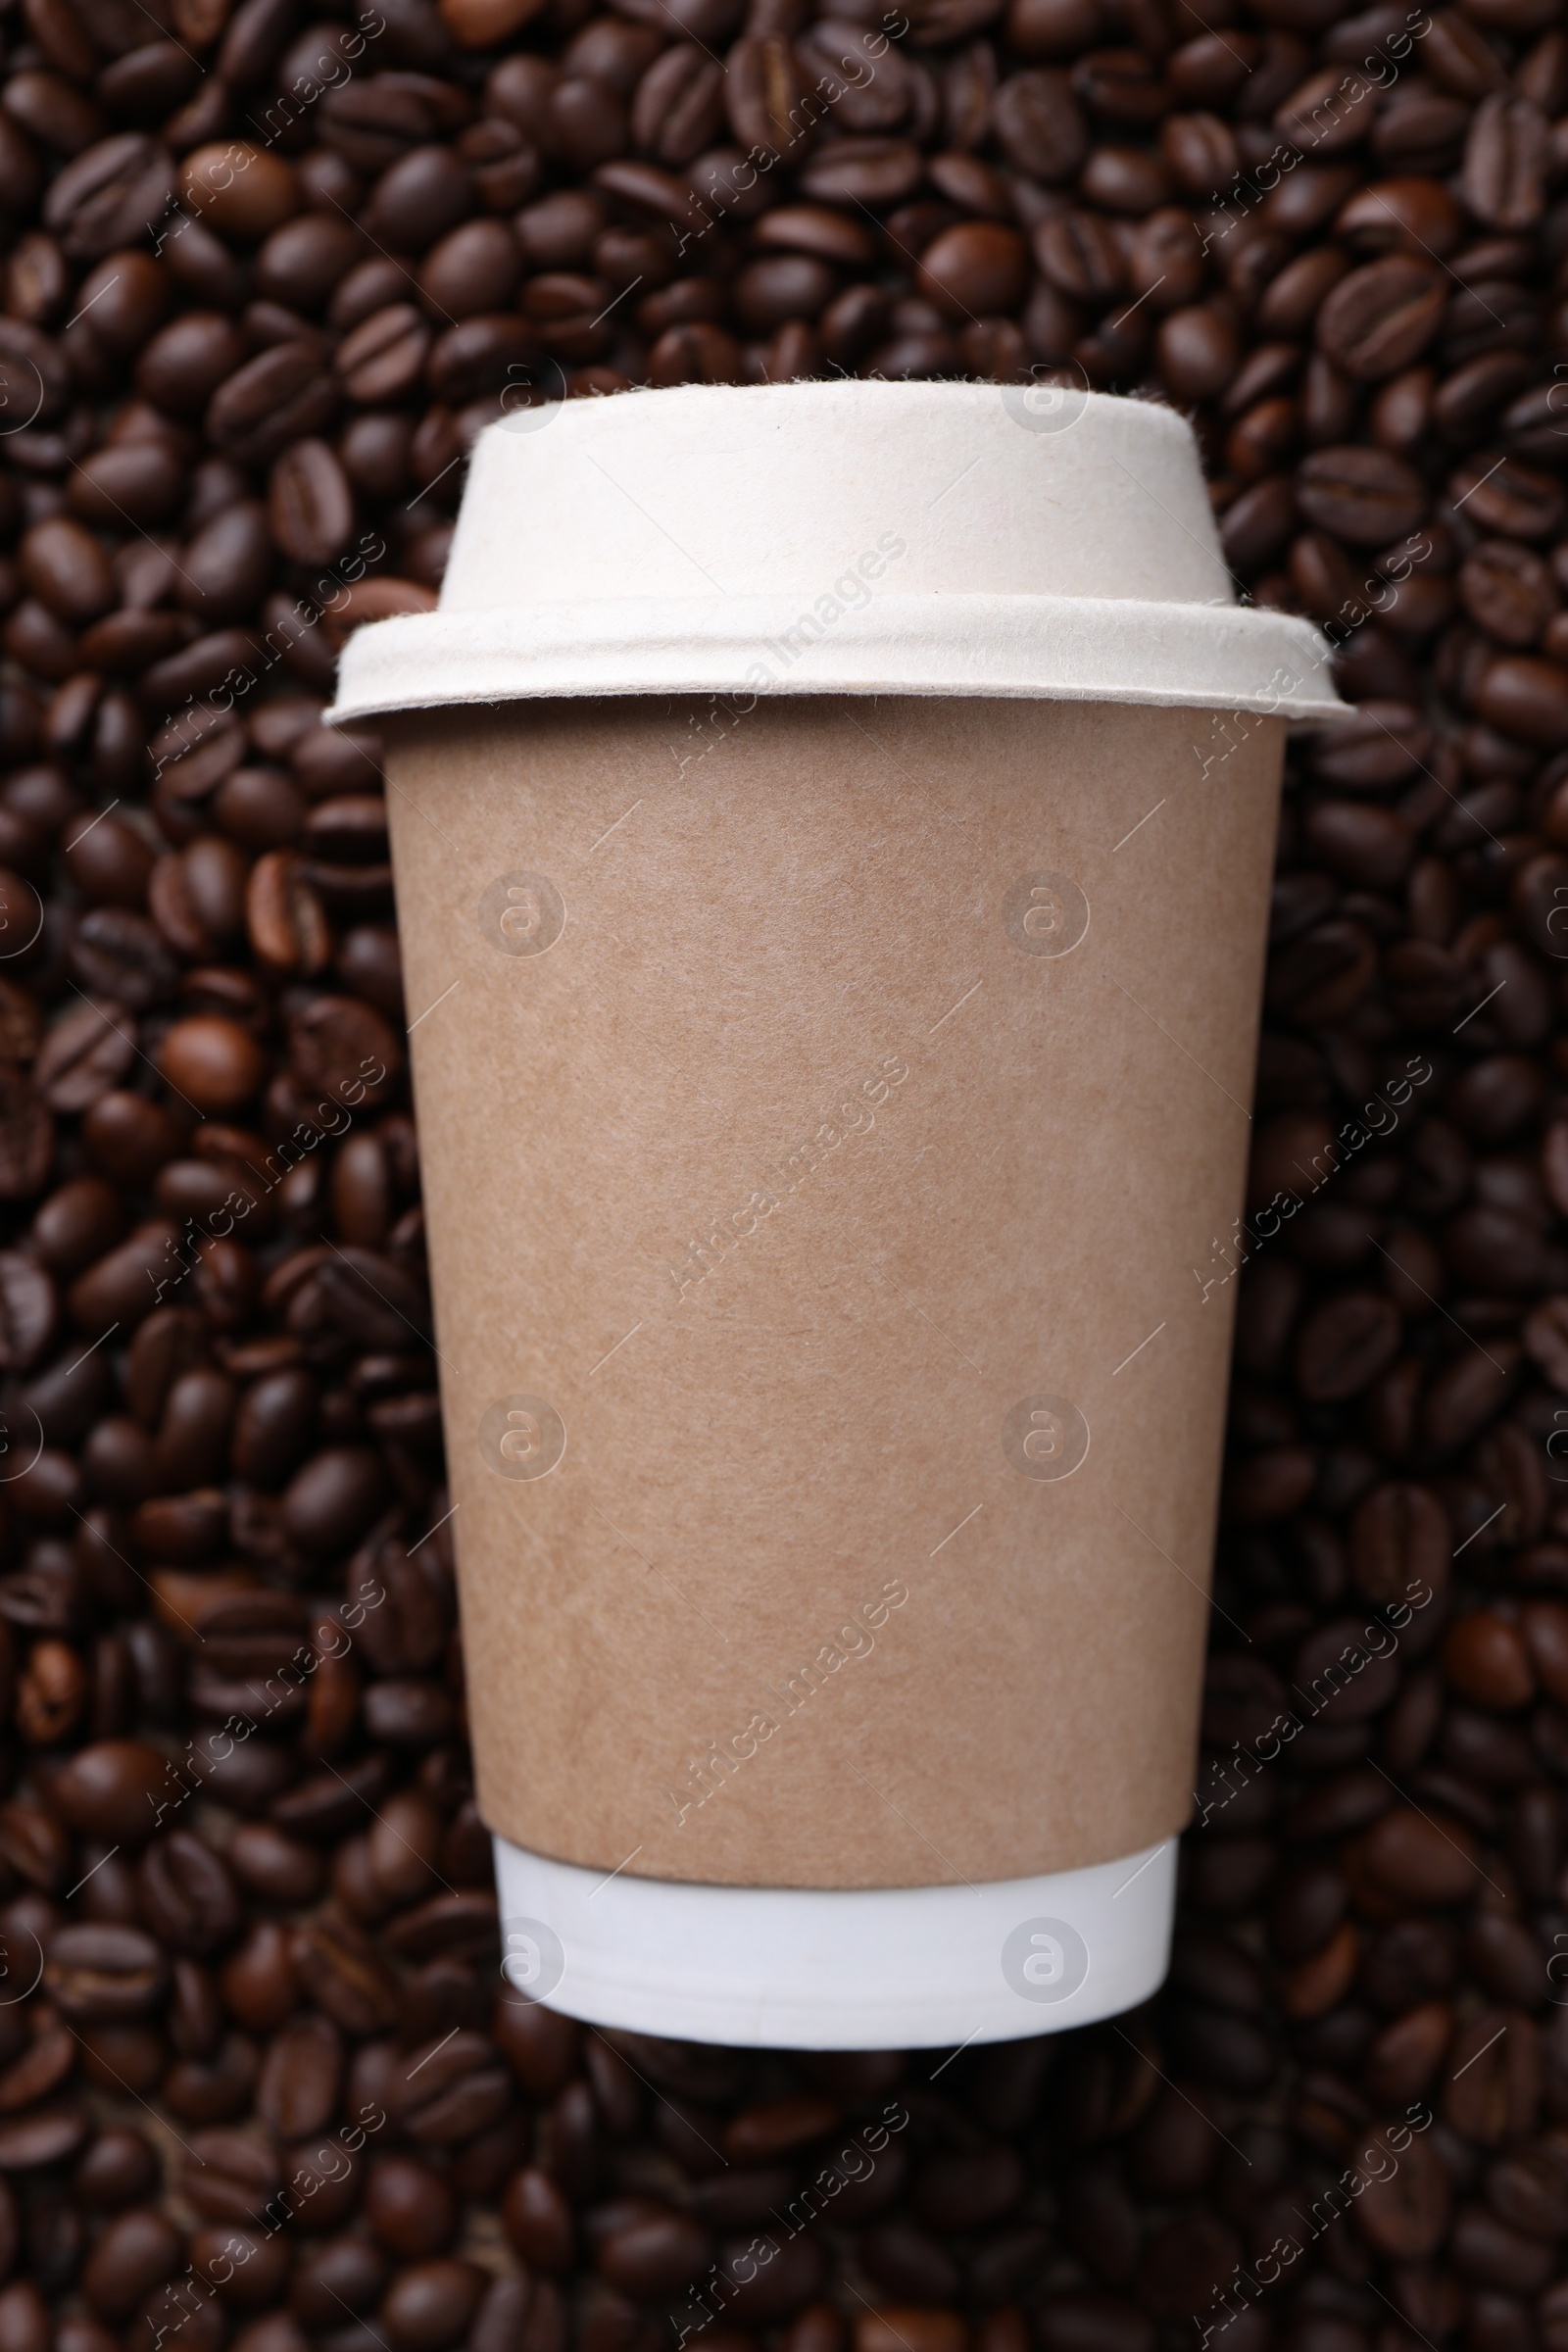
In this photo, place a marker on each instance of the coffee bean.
(104, 1974)
(65, 567)
(1527, 2192)
(409, 2207)
(186, 362)
(303, 260)
(1487, 1659)
(1506, 162)
(212, 1062)
(1525, 697)
(136, 2251)
(112, 1788)
(110, 196)
(241, 190)
(185, 1893)
(298, 2090)
(1508, 591)
(180, 2304)
(207, 2090)
(1408, 2212)
(983, 267)
(453, 2089)
(1381, 318)
(1367, 497)
(1365, 358)
(1510, 497)
(339, 1970)
(227, 567)
(119, 2169)
(345, 2276)
(386, 354)
(284, 915)
(1423, 1861)
(24, 2317)
(431, 2304)
(422, 196)
(539, 2221)
(311, 505)
(653, 2253)
(272, 400)
(27, 1311)
(229, 2176)
(1345, 1344)
(1197, 349)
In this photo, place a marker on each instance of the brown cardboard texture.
(829, 1112)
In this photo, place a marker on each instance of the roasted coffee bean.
(454, 2090)
(1381, 318)
(653, 2252)
(404, 1842)
(242, 190)
(1508, 591)
(273, 1426)
(109, 862)
(345, 2276)
(227, 567)
(344, 1977)
(229, 2176)
(1525, 697)
(207, 2090)
(1505, 162)
(1368, 496)
(136, 2251)
(1409, 2211)
(298, 2090)
(280, 395)
(212, 1062)
(260, 1985)
(104, 1974)
(409, 2207)
(277, 1868)
(119, 2169)
(112, 1788)
(186, 362)
(431, 2304)
(310, 505)
(280, 343)
(186, 1894)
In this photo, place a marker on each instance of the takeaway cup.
(832, 829)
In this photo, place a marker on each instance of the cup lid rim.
(1045, 648)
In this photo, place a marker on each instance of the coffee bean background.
(268, 272)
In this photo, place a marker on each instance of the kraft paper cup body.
(834, 1106)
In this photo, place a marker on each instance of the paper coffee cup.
(832, 827)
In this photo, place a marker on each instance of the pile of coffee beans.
(267, 270)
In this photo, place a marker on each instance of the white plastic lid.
(840, 538)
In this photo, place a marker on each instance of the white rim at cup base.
(817, 1969)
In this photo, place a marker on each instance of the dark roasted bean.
(263, 281)
(431, 2304)
(104, 1974)
(112, 1788)
(311, 505)
(409, 2207)
(229, 2176)
(136, 2253)
(119, 2169)
(1381, 318)
(186, 1894)
(1367, 497)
